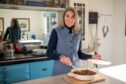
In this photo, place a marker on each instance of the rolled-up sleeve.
(6, 34)
(83, 55)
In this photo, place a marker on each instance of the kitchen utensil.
(99, 62)
(73, 66)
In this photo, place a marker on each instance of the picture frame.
(15, 2)
(24, 23)
(1, 24)
(9, 1)
(56, 3)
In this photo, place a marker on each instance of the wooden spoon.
(74, 67)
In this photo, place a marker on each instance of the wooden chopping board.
(71, 80)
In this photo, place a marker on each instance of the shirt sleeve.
(19, 35)
(83, 55)
(6, 34)
(51, 50)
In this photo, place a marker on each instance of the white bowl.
(39, 51)
(82, 77)
(30, 47)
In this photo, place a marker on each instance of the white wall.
(111, 13)
(105, 9)
(119, 47)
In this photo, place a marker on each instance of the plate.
(99, 62)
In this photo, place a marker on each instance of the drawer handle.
(44, 69)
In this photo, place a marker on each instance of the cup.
(33, 36)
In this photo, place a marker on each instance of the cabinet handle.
(44, 69)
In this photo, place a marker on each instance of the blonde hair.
(1, 38)
(76, 27)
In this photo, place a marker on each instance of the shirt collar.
(68, 30)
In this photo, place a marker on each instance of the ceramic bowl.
(82, 77)
(39, 52)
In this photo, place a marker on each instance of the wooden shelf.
(24, 7)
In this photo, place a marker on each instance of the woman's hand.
(96, 56)
(65, 60)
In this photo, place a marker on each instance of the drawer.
(1, 74)
(16, 73)
(41, 69)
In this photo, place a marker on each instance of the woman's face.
(69, 19)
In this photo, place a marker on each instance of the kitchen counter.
(60, 80)
(49, 80)
(20, 58)
(115, 71)
(30, 41)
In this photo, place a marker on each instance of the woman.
(65, 44)
(13, 33)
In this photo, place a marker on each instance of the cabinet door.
(41, 69)
(1, 75)
(16, 73)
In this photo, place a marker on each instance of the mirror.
(37, 24)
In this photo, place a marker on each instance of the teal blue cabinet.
(16, 73)
(20, 72)
(41, 69)
(1, 75)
